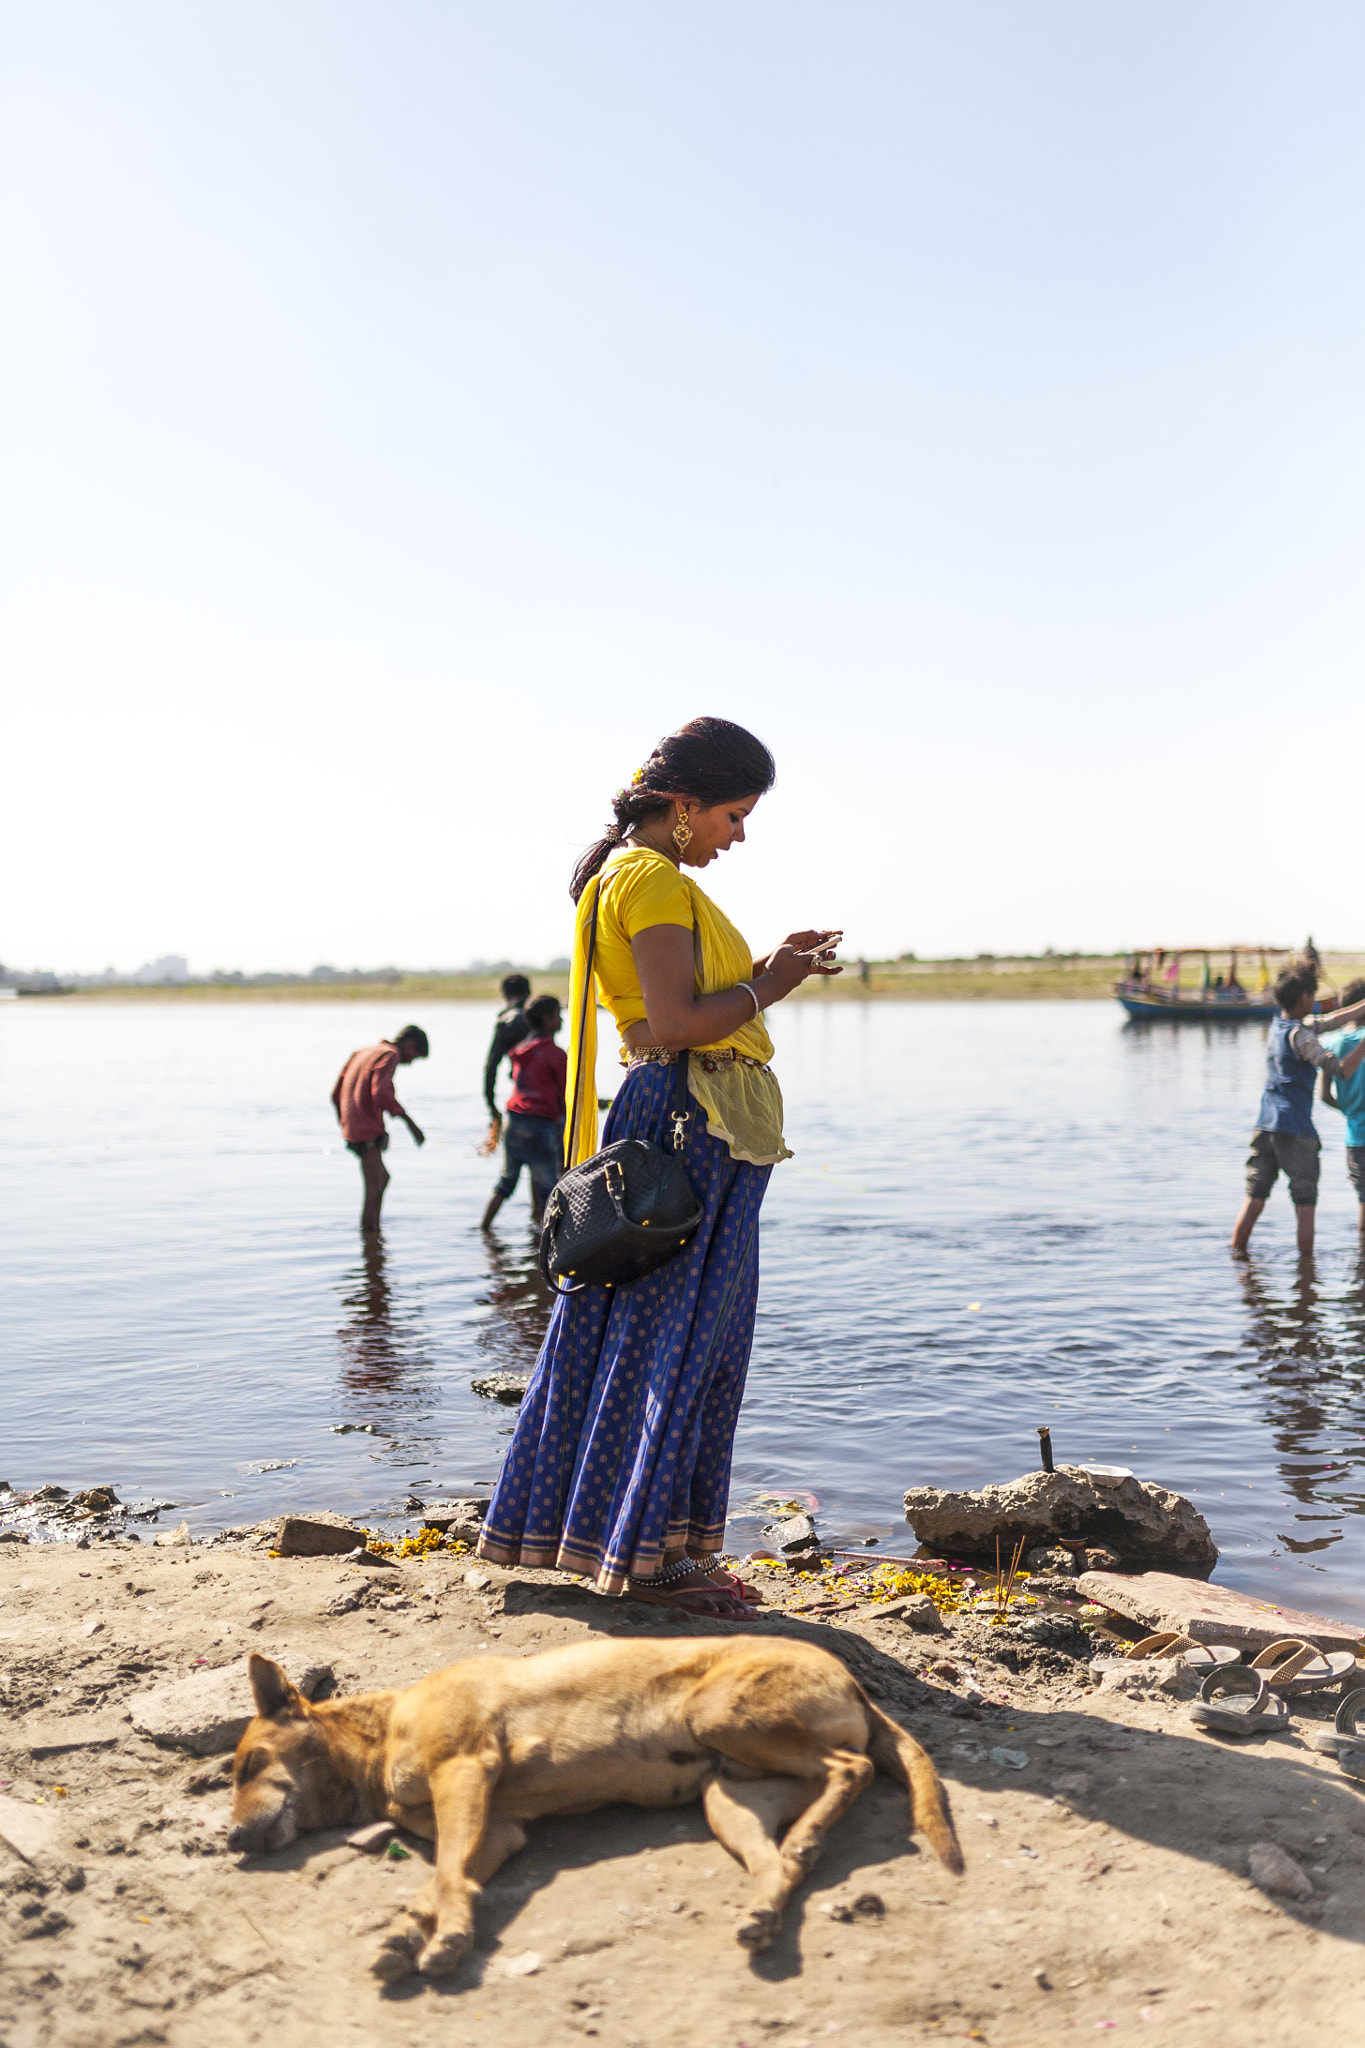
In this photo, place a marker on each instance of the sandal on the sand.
(1195, 1655)
(1166, 1643)
(1210, 1656)
(1344, 1732)
(1213, 1709)
(1292, 1666)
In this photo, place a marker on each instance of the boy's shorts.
(537, 1143)
(1355, 1167)
(361, 1146)
(1283, 1152)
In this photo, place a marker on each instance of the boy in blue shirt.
(1284, 1140)
(1348, 1095)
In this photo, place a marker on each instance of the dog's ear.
(271, 1690)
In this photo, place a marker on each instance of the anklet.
(666, 1574)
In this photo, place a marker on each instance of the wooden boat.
(1149, 992)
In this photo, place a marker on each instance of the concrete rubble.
(1274, 1870)
(208, 1712)
(51, 1514)
(793, 1534)
(507, 1387)
(1138, 1521)
(461, 1518)
(915, 1610)
(314, 1535)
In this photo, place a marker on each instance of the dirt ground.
(1106, 1885)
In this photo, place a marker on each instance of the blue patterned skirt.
(623, 1444)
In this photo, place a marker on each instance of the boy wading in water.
(1348, 1095)
(363, 1096)
(1284, 1140)
(535, 1112)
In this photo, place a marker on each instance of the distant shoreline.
(1079, 978)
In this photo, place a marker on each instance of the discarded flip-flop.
(1170, 1644)
(1211, 1656)
(1166, 1643)
(1293, 1666)
(1265, 1710)
(1344, 1732)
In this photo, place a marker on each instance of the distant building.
(170, 967)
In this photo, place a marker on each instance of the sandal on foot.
(1213, 1708)
(733, 1583)
(1293, 1666)
(717, 1603)
(1344, 1732)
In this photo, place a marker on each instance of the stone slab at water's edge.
(1211, 1614)
(1140, 1521)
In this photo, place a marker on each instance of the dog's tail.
(900, 1756)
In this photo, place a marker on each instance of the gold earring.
(682, 834)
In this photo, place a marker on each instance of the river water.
(998, 1215)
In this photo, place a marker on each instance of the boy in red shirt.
(534, 1129)
(363, 1096)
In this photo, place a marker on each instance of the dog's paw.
(756, 1926)
(396, 1956)
(444, 1953)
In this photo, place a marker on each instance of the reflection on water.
(380, 1343)
(1310, 1365)
(518, 1301)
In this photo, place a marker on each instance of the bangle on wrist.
(750, 990)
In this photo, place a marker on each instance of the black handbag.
(628, 1209)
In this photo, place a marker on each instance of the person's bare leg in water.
(377, 1177)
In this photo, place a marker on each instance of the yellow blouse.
(639, 888)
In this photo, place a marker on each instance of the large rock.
(208, 1713)
(1140, 1521)
(1211, 1614)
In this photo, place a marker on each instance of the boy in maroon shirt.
(363, 1096)
(534, 1129)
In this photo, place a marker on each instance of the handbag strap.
(583, 1011)
(680, 1116)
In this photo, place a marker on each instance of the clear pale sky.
(414, 409)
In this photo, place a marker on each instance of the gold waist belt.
(710, 1062)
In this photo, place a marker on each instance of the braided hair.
(708, 758)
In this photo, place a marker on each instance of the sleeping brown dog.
(770, 1734)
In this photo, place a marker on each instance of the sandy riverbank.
(1113, 1863)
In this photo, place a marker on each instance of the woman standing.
(620, 1465)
